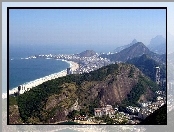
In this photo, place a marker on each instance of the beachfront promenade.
(29, 85)
(85, 65)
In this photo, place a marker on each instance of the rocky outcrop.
(115, 87)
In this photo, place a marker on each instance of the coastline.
(29, 85)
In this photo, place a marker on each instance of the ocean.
(23, 70)
(26, 70)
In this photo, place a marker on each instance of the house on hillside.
(106, 110)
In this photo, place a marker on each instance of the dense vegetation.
(32, 102)
(147, 66)
(138, 90)
(13, 100)
(50, 99)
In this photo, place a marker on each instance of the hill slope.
(136, 50)
(52, 101)
(147, 66)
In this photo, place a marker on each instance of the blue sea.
(26, 70)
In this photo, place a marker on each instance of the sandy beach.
(27, 86)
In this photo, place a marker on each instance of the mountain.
(163, 58)
(87, 53)
(54, 100)
(147, 66)
(118, 49)
(159, 117)
(158, 44)
(135, 50)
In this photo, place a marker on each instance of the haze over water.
(57, 31)
(84, 27)
(25, 70)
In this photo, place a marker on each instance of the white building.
(106, 110)
(157, 75)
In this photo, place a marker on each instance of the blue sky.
(170, 21)
(76, 27)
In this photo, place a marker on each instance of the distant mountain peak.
(87, 53)
(139, 44)
(118, 49)
(159, 36)
(135, 50)
(158, 39)
(134, 41)
(158, 44)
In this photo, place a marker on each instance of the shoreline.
(29, 85)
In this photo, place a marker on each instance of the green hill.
(114, 84)
(147, 65)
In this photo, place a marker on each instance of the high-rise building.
(157, 75)
(19, 89)
(163, 84)
(68, 71)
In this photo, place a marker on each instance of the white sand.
(31, 84)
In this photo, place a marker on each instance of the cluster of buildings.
(133, 114)
(132, 109)
(81, 118)
(115, 114)
(86, 64)
(105, 110)
(149, 107)
(92, 63)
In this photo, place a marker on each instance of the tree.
(73, 114)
